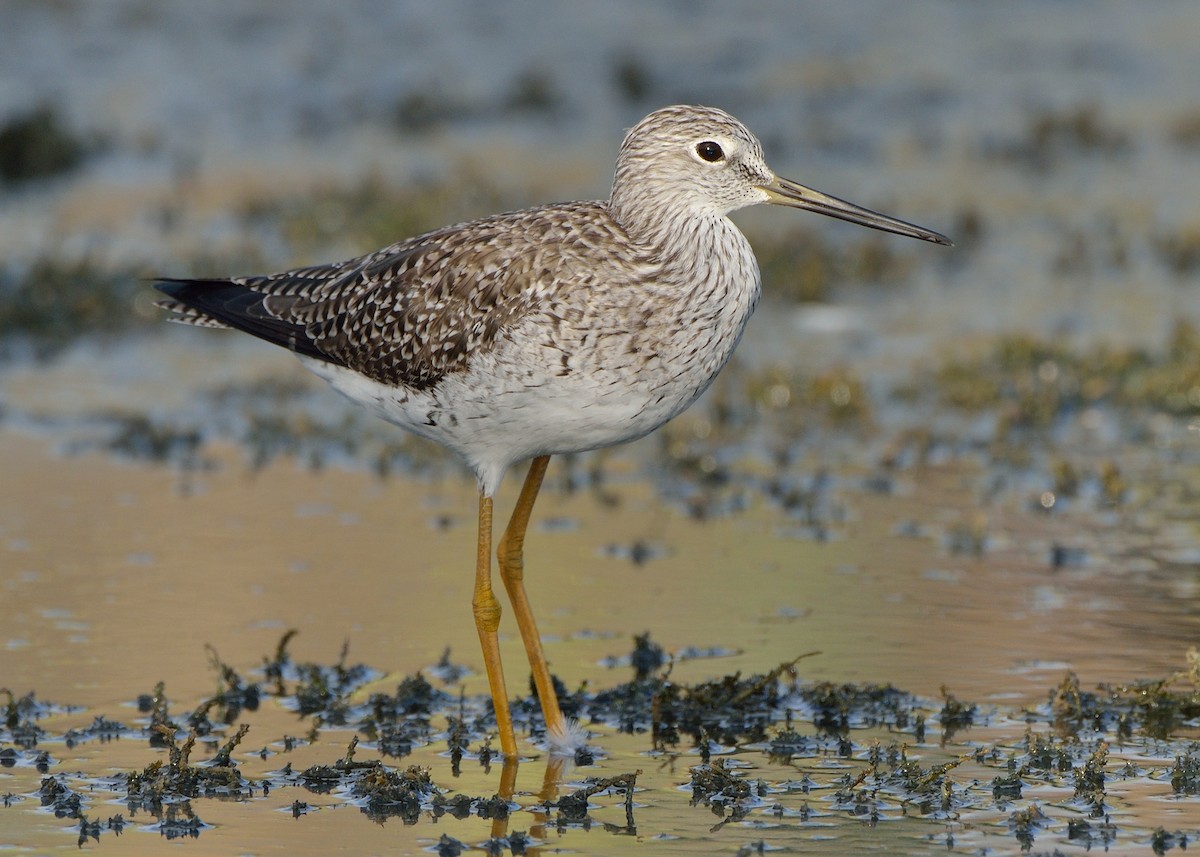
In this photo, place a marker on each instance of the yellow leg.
(487, 620)
(512, 571)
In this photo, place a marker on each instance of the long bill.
(784, 192)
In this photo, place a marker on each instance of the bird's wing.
(407, 314)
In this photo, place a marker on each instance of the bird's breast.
(653, 343)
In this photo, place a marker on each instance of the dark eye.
(709, 151)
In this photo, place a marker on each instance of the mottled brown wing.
(408, 314)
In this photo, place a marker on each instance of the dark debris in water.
(1034, 383)
(38, 145)
(1157, 709)
(59, 798)
(91, 828)
(179, 821)
(804, 266)
(955, 716)
(1162, 841)
(391, 793)
(573, 808)
(1185, 776)
(725, 711)
(403, 720)
(322, 692)
(139, 437)
(160, 783)
(1026, 823)
(837, 708)
(768, 743)
(50, 304)
(1055, 136)
(270, 419)
(22, 713)
(717, 783)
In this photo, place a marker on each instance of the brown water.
(118, 575)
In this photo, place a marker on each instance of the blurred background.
(1057, 143)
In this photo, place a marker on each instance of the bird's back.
(410, 313)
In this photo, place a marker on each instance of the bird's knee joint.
(511, 559)
(487, 612)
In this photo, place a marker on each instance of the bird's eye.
(709, 151)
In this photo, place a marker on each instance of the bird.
(555, 329)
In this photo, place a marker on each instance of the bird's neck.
(678, 234)
(703, 255)
(645, 216)
(665, 223)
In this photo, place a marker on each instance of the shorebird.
(554, 329)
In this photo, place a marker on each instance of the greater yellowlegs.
(555, 329)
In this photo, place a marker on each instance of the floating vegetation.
(56, 796)
(1155, 709)
(1053, 136)
(1035, 382)
(322, 692)
(725, 711)
(159, 783)
(394, 793)
(339, 222)
(804, 266)
(428, 107)
(234, 695)
(534, 91)
(37, 145)
(1184, 130)
(573, 808)
(715, 782)
(838, 708)
(270, 419)
(955, 716)
(755, 762)
(1185, 776)
(137, 436)
(1179, 251)
(647, 657)
(52, 303)
(632, 79)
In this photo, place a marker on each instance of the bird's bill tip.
(784, 192)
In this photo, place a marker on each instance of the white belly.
(494, 420)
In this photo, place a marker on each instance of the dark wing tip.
(227, 303)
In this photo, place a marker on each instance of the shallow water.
(123, 573)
